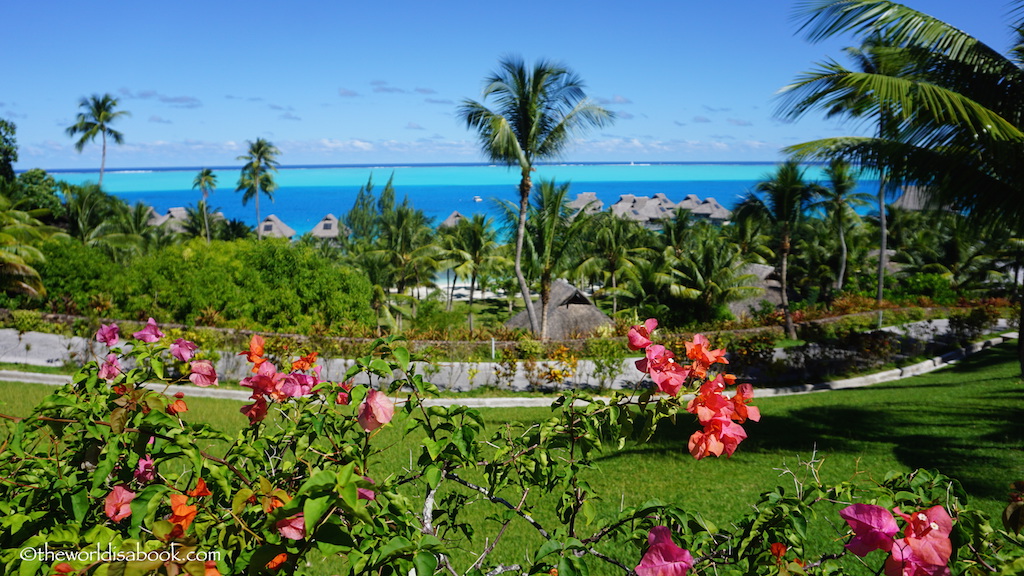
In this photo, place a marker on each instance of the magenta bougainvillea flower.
(297, 384)
(366, 493)
(150, 333)
(108, 334)
(640, 336)
(203, 373)
(118, 504)
(111, 368)
(145, 472)
(292, 527)
(664, 557)
(183, 349)
(375, 411)
(873, 527)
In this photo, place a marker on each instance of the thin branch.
(503, 502)
(593, 552)
(500, 569)
(490, 547)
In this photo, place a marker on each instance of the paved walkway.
(516, 402)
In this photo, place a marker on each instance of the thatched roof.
(452, 220)
(273, 227)
(570, 313)
(174, 219)
(587, 200)
(712, 210)
(329, 227)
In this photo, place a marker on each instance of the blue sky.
(335, 82)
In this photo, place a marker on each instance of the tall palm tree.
(959, 112)
(98, 113)
(787, 197)
(20, 232)
(839, 197)
(206, 181)
(538, 112)
(258, 175)
(552, 239)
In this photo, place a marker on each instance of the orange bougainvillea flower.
(277, 561)
(64, 568)
(182, 513)
(210, 569)
(702, 356)
(200, 490)
(305, 363)
(177, 406)
(255, 352)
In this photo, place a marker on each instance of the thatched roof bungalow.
(329, 227)
(452, 220)
(587, 201)
(273, 227)
(570, 314)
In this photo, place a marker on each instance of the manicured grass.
(967, 421)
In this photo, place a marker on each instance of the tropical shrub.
(108, 476)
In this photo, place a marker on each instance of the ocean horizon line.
(385, 165)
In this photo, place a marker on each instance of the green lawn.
(967, 421)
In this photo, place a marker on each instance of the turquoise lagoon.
(307, 193)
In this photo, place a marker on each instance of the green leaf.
(433, 476)
(313, 509)
(240, 500)
(425, 562)
(397, 546)
(402, 357)
(157, 364)
(318, 481)
(546, 549)
(380, 367)
(332, 539)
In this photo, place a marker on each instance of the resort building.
(586, 202)
(452, 220)
(273, 227)
(329, 227)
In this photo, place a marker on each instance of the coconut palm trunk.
(784, 281)
(524, 201)
(883, 239)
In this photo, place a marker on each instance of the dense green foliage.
(273, 283)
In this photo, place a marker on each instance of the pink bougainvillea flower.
(873, 528)
(111, 368)
(375, 411)
(292, 527)
(108, 334)
(903, 562)
(709, 401)
(118, 504)
(256, 411)
(927, 535)
(343, 397)
(210, 568)
(366, 493)
(64, 568)
(640, 336)
(255, 352)
(741, 404)
(145, 472)
(664, 557)
(296, 384)
(720, 435)
(150, 333)
(267, 381)
(203, 373)
(183, 349)
(667, 374)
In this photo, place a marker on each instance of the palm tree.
(614, 246)
(473, 249)
(20, 231)
(538, 112)
(787, 197)
(258, 175)
(98, 113)
(711, 271)
(958, 110)
(206, 181)
(839, 198)
(552, 239)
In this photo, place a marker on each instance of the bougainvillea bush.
(108, 476)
